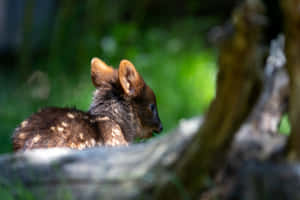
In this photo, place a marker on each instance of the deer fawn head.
(125, 98)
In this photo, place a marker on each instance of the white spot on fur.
(73, 145)
(116, 131)
(81, 146)
(22, 136)
(64, 124)
(60, 129)
(24, 123)
(102, 118)
(93, 142)
(70, 115)
(113, 142)
(36, 138)
(88, 144)
(81, 136)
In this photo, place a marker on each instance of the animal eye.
(152, 107)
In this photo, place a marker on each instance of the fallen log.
(134, 172)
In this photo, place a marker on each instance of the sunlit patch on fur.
(64, 124)
(116, 142)
(102, 118)
(24, 123)
(73, 145)
(109, 143)
(81, 146)
(113, 142)
(88, 144)
(70, 115)
(116, 131)
(81, 136)
(36, 138)
(93, 142)
(60, 129)
(22, 136)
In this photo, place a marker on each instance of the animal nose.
(159, 129)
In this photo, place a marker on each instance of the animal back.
(56, 127)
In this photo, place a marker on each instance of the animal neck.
(107, 104)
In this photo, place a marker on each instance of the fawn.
(123, 109)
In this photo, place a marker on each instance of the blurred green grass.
(174, 61)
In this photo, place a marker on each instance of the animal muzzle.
(158, 128)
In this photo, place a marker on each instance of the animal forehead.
(112, 75)
(149, 95)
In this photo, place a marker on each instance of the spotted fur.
(123, 109)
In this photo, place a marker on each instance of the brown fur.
(123, 109)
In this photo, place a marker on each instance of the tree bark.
(238, 87)
(292, 31)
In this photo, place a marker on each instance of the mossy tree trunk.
(238, 87)
(292, 30)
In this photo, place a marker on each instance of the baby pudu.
(123, 109)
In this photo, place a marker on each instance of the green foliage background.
(173, 59)
(169, 50)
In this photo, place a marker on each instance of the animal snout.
(159, 128)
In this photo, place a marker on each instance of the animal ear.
(101, 73)
(131, 81)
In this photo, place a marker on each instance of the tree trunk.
(292, 31)
(237, 90)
